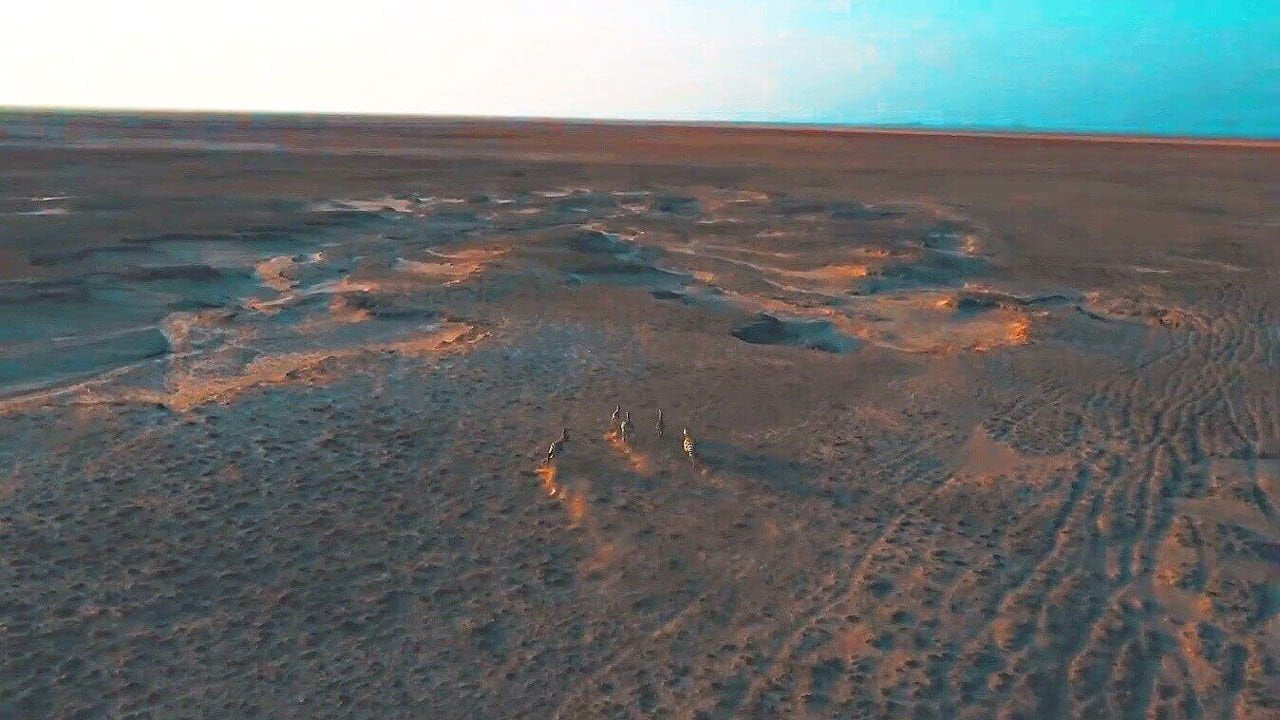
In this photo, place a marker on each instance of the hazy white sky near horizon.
(1178, 66)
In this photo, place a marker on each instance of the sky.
(1172, 67)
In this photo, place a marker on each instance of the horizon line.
(901, 129)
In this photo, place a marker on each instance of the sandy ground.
(987, 427)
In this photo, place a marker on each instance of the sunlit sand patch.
(191, 333)
(931, 207)
(547, 474)
(1261, 476)
(1175, 564)
(1143, 306)
(453, 267)
(388, 282)
(1192, 561)
(344, 310)
(714, 201)
(1211, 263)
(803, 290)
(929, 322)
(187, 391)
(383, 204)
(622, 240)
(757, 303)
(92, 392)
(855, 640)
(286, 274)
(89, 413)
(192, 382)
(911, 322)
(447, 335)
(1019, 332)
(1199, 655)
(639, 461)
(374, 290)
(291, 298)
(749, 196)
(987, 473)
(278, 273)
(834, 275)
(705, 277)
(953, 243)
(632, 201)
(577, 508)
(576, 505)
(984, 458)
(740, 250)
(916, 319)
(563, 192)
(699, 252)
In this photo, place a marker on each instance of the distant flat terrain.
(986, 426)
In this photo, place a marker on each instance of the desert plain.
(987, 427)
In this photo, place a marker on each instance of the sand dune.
(985, 428)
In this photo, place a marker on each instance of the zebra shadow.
(772, 472)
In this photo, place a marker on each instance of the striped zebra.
(557, 447)
(690, 448)
(626, 428)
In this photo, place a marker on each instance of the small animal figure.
(662, 428)
(557, 447)
(689, 448)
(626, 428)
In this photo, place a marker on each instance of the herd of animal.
(622, 428)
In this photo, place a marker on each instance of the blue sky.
(1171, 67)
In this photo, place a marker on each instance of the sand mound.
(454, 267)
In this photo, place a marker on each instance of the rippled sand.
(986, 427)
